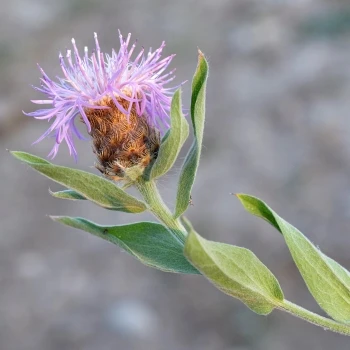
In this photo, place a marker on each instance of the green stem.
(151, 195)
(316, 319)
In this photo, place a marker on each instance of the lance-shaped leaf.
(90, 186)
(235, 271)
(67, 194)
(328, 282)
(174, 140)
(149, 242)
(29, 158)
(190, 165)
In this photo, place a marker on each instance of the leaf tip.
(246, 197)
(240, 197)
(18, 155)
(201, 58)
(55, 218)
(14, 153)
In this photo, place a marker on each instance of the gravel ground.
(277, 127)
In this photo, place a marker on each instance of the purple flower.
(89, 80)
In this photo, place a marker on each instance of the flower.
(114, 96)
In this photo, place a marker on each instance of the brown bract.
(121, 141)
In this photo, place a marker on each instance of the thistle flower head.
(123, 102)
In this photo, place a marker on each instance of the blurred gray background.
(278, 109)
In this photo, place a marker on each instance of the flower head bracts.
(88, 80)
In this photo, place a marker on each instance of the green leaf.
(98, 190)
(67, 194)
(328, 282)
(149, 242)
(29, 158)
(173, 142)
(190, 165)
(235, 271)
